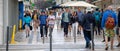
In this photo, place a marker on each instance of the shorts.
(109, 32)
(28, 24)
(51, 25)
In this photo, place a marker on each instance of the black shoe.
(106, 48)
(103, 41)
(118, 45)
(86, 46)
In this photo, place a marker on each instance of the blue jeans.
(87, 36)
(66, 24)
(41, 29)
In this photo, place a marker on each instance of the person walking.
(43, 23)
(51, 21)
(97, 16)
(58, 19)
(73, 21)
(27, 23)
(118, 28)
(66, 20)
(35, 20)
(109, 22)
(80, 20)
(87, 20)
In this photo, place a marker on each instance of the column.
(1, 21)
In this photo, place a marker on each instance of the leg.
(78, 29)
(31, 37)
(106, 42)
(46, 30)
(118, 37)
(99, 28)
(67, 24)
(64, 28)
(103, 36)
(86, 38)
(41, 30)
(112, 41)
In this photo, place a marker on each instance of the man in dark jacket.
(88, 19)
(118, 28)
(66, 21)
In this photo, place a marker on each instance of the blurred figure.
(109, 15)
(80, 20)
(43, 23)
(74, 19)
(87, 20)
(35, 20)
(118, 28)
(27, 23)
(97, 16)
(58, 18)
(51, 21)
(66, 21)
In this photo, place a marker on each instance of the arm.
(103, 20)
(62, 16)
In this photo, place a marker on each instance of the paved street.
(61, 43)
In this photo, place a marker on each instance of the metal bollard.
(8, 36)
(44, 34)
(92, 36)
(51, 29)
(74, 34)
(7, 39)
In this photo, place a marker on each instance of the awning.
(78, 3)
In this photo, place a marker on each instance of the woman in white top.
(51, 21)
(58, 18)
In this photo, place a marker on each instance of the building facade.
(9, 17)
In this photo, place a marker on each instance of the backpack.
(97, 16)
(110, 23)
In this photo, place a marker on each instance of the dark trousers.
(66, 24)
(41, 29)
(98, 27)
(87, 36)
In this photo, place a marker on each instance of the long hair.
(27, 14)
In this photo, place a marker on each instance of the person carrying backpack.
(109, 22)
(97, 20)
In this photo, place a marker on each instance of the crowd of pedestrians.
(71, 20)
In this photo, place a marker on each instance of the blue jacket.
(27, 19)
(106, 14)
(42, 19)
(87, 20)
